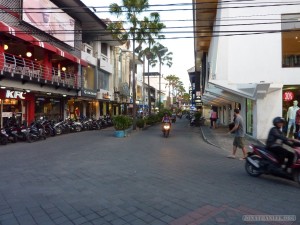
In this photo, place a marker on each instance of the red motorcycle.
(261, 161)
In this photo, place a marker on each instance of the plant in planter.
(122, 124)
(198, 116)
(140, 123)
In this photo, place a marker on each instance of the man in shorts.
(239, 138)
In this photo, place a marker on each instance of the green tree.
(173, 81)
(162, 56)
(186, 98)
(150, 29)
(131, 9)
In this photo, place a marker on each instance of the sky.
(182, 48)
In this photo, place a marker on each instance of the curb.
(206, 140)
(247, 136)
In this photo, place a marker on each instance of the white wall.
(266, 110)
(251, 58)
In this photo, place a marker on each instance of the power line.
(255, 5)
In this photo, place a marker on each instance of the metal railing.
(32, 70)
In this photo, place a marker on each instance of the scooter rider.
(275, 140)
(166, 119)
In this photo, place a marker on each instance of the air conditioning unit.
(88, 49)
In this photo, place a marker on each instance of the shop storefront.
(16, 106)
(51, 108)
(290, 93)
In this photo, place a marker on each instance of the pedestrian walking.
(239, 135)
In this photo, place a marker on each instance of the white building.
(248, 56)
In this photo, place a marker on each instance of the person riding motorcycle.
(275, 140)
(166, 119)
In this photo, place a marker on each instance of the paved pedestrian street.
(94, 178)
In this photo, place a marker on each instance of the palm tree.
(150, 28)
(163, 57)
(137, 31)
(173, 81)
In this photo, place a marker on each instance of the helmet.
(278, 119)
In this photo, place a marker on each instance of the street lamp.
(163, 50)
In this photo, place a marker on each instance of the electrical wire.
(104, 32)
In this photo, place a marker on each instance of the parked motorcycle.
(105, 121)
(261, 161)
(166, 129)
(10, 136)
(36, 131)
(192, 120)
(20, 132)
(49, 127)
(75, 126)
(95, 125)
(3, 137)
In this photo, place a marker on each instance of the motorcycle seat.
(268, 153)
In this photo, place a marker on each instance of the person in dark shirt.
(275, 140)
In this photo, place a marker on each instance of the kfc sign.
(14, 94)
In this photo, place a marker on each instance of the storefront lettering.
(14, 94)
(86, 92)
(288, 96)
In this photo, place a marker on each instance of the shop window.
(48, 107)
(249, 116)
(104, 80)
(290, 40)
(104, 49)
(89, 77)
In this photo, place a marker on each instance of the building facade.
(47, 67)
(246, 64)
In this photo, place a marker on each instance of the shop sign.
(288, 96)
(89, 93)
(14, 94)
(7, 114)
(105, 95)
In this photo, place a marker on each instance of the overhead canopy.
(35, 41)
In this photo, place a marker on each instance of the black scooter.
(36, 131)
(3, 137)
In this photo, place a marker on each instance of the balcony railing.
(33, 71)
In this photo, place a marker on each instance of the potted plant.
(122, 125)
(140, 123)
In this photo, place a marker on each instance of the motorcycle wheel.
(98, 127)
(78, 128)
(48, 132)
(3, 141)
(24, 138)
(297, 176)
(251, 170)
(30, 138)
(167, 134)
(58, 130)
(14, 140)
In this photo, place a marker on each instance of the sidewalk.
(220, 138)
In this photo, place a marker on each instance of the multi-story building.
(248, 57)
(41, 65)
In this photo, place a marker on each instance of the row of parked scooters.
(43, 128)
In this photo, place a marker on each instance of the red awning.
(45, 45)
(35, 41)
(82, 62)
(16, 32)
